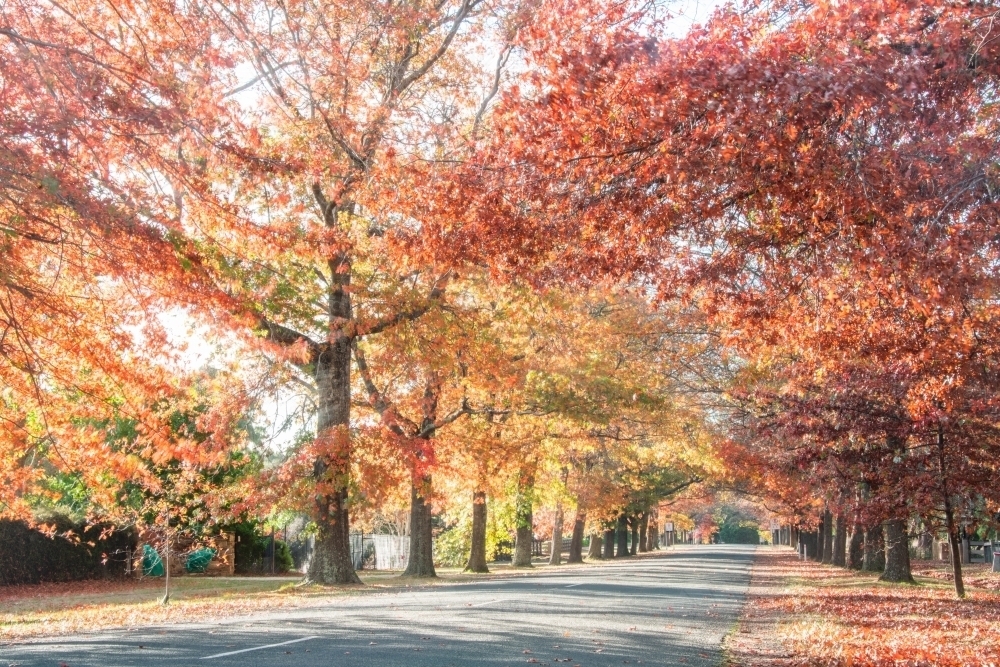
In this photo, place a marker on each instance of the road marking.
(258, 648)
(483, 604)
(575, 585)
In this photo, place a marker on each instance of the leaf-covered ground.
(804, 613)
(47, 609)
(64, 608)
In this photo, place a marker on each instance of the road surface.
(671, 608)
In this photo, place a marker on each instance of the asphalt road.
(673, 608)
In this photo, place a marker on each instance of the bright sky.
(689, 12)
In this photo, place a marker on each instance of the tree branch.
(463, 13)
(407, 315)
(286, 337)
(464, 409)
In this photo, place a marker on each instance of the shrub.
(249, 548)
(743, 532)
(252, 551)
(282, 557)
(28, 556)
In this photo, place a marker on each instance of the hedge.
(28, 556)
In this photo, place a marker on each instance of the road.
(671, 608)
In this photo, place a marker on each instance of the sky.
(690, 12)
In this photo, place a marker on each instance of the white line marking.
(575, 585)
(483, 604)
(258, 648)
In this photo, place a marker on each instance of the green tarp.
(199, 559)
(152, 565)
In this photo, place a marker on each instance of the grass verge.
(68, 608)
(805, 613)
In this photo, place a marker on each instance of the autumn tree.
(91, 257)
(789, 165)
(279, 188)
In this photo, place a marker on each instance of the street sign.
(668, 527)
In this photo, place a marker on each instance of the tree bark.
(576, 544)
(812, 544)
(331, 562)
(897, 552)
(622, 531)
(820, 531)
(555, 558)
(653, 532)
(949, 517)
(643, 527)
(523, 537)
(609, 543)
(477, 554)
(855, 554)
(840, 542)
(874, 551)
(956, 549)
(421, 563)
(596, 543)
(827, 537)
(925, 542)
(633, 523)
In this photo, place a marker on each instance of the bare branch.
(501, 63)
(463, 13)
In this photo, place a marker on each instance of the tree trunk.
(925, 542)
(609, 543)
(949, 516)
(633, 522)
(522, 547)
(874, 552)
(812, 544)
(523, 516)
(827, 537)
(576, 544)
(897, 552)
(855, 554)
(421, 563)
(653, 532)
(166, 566)
(956, 549)
(643, 528)
(555, 558)
(477, 554)
(596, 542)
(840, 542)
(331, 562)
(622, 549)
(820, 531)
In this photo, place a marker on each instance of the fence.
(379, 552)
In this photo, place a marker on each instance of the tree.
(280, 191)
(92, 257)
(825, 193)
